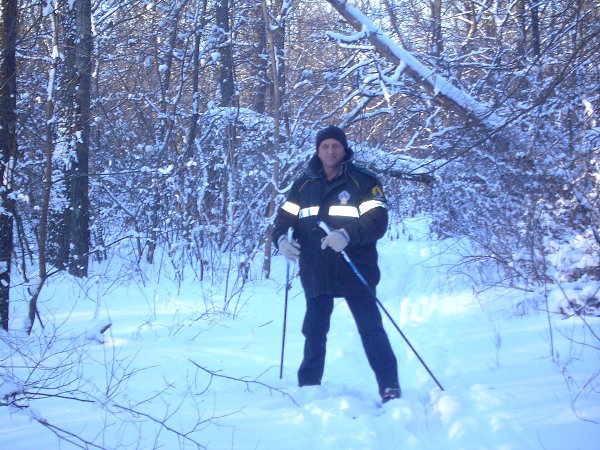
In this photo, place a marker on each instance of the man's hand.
(291, 250)
(337, 240)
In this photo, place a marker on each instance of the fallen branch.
(245, 381)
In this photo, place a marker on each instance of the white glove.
(337, 240)
(291, 250)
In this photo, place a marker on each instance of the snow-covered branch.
(440, 87)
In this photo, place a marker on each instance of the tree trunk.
(226, 79)
(261, 65)
(164, 139)
(70, 231)
(48, 151)
(521, 17)
(201, 23)
(393, 18)
(79, 216)
(275, 48)
(535, 28)
(437, 43)
(8, 144)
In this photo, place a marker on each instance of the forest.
(180, 125)
(168, 132)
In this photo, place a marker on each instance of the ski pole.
(287, 288)
(324, 226)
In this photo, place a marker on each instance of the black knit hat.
(332, 132)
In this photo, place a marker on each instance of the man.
(351, 202)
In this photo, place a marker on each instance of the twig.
(245, 381)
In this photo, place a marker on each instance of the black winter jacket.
(354, 200)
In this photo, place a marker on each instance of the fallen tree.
(475, 113)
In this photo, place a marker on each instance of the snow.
(48, 8)
(175, 361)
(166, 170)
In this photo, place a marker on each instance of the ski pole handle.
(324, 226)
(290, 234)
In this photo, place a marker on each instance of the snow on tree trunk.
(275, 48)
(80, 209)
(70, 203)
(8, 144)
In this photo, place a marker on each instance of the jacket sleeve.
(287, 215)
(373, 216)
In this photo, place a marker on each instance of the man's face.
(331, 152)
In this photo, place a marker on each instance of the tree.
(226, 68)
(79, 212)
(275, 45)
(437, 42)
(165, 142)
(71, 154)
(8, 144)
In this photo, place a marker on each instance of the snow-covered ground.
(175, 372)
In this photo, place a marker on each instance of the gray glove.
(291, 250)
(337, 240)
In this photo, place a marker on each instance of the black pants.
(370, 327)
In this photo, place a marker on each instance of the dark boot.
(390, 394)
